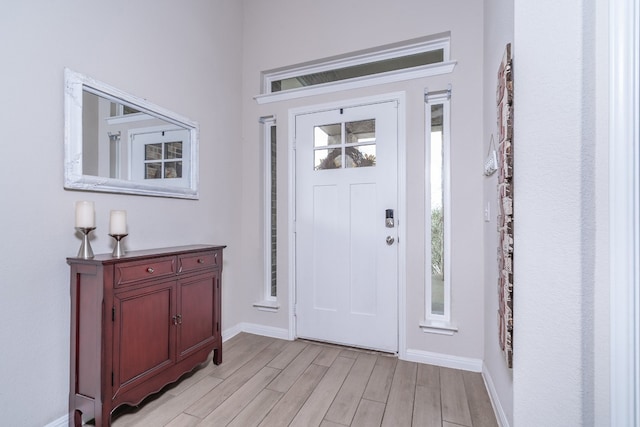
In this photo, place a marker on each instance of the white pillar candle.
(85, 215)
(118, 223)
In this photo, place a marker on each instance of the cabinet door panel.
(143, 323)
(197, 310)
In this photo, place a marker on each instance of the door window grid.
(345, 145)
(163, 160)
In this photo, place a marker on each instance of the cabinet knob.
(174, 320)
(200, 261)
(149, 270)
(179, 318)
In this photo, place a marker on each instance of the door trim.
(624, 238)
(399, 98)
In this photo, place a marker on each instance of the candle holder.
(118, 251)
(85, 248)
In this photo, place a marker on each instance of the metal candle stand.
(118, 251)
(85, 248)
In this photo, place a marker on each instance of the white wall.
(185, 59)
(561, 296)
(284, 32)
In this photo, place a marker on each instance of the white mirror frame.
(74, 179)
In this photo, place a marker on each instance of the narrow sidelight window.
(437, 170)
(437, 215)
(270, 208)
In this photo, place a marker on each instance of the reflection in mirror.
(119, 143)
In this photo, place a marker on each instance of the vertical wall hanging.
(504, 99)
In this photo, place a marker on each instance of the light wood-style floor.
(269, 382)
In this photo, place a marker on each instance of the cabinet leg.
(77, 418)
(217, 356)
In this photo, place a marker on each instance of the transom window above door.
(427, 57)
(345, 145)
(411, 59)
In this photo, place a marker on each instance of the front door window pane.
(360, 131)
(355, 141)
(360, 156)
(328, 159)
(327, 135)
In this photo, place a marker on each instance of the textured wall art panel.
(504, 99)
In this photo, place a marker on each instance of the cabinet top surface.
(147, 253)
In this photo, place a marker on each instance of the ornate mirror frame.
(74, 178)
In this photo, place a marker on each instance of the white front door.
(346, 256)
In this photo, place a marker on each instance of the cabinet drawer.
(198, 261)
(131, 272)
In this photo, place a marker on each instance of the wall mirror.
(116, 142)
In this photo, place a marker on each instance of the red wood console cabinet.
(138, 323)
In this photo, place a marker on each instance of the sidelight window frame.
(435, 322)
(269, 199)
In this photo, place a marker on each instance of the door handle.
(390, 240)
(388, 218)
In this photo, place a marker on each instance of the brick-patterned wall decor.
(504, 99)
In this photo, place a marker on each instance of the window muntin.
(163, 160)
(345, 145)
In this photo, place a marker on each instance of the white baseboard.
(253, 328)
(495, 399)
(231, 332)
(60, 422)
(444, 360)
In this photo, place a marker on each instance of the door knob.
(390, 240)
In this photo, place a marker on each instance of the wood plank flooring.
(268, 382)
